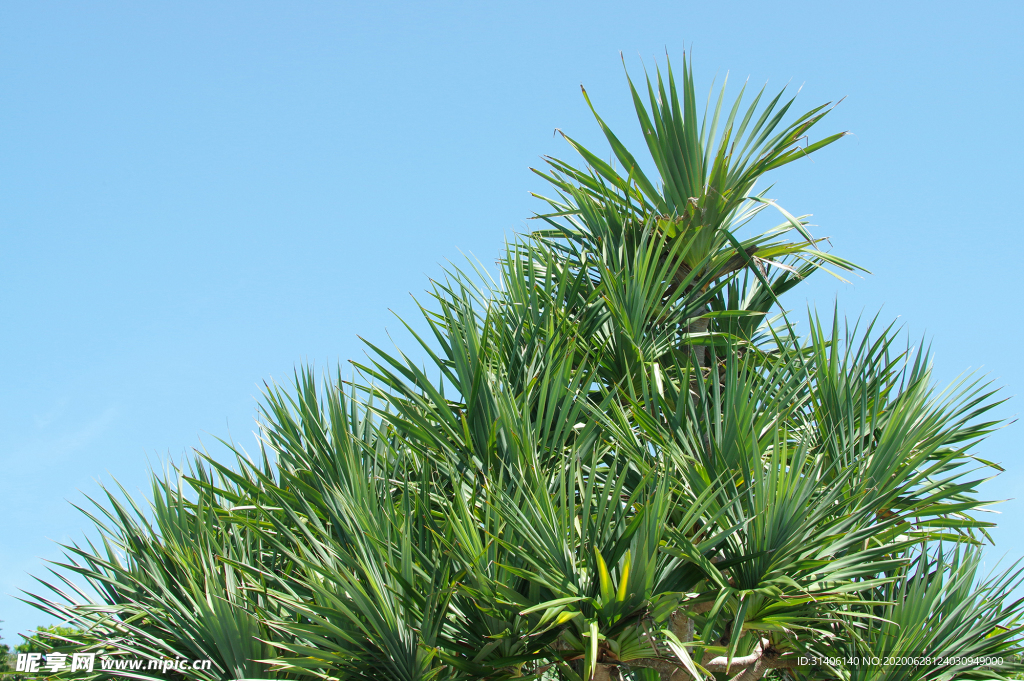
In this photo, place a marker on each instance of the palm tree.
(614, 464)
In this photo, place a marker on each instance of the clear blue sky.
(197, 197)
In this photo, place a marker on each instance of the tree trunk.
(754, 672)
(700, 352)
(668, 671)
(682, 626)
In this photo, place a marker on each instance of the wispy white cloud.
(55, 446)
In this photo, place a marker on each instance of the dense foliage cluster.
(618, 462)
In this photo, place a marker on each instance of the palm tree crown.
(618, 462)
